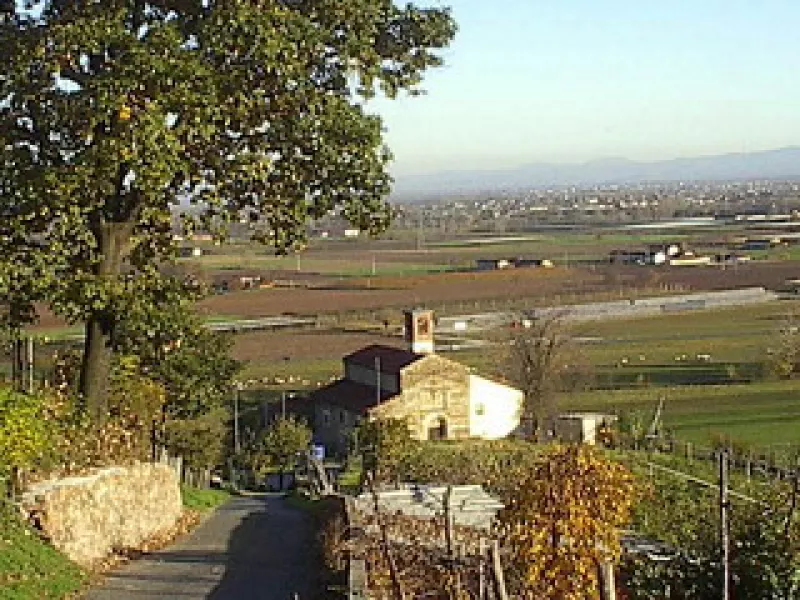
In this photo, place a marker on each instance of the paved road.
(253, 548)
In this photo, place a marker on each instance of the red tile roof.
(391, 359)
(350, 395)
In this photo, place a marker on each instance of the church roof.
(350, 395)
(391, 360)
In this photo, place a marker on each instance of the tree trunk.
(96, 368)
(114, 240)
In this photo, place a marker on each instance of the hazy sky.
(575, 80)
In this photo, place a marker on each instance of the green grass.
(759, 414)
(731, 335)
(203, 500)
(350, 478)
(29, 567)
(312, 371)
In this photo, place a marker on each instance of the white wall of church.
(494, 408)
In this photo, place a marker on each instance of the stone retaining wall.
(88, 518)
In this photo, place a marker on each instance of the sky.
(576, 80)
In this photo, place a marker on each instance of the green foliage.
(387, 449)
(27, 431)
(29, 567)
(177, 350)
(193, 365)
(203, 500)
(113, 112)
(495, 464)
(765, 539)
(50, 433)
(279, 445)
(200, 440)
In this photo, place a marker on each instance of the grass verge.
(31, 568)
(203, 500)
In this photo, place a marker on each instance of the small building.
(582, 428)
(439, 398)
(249, 282)
(190, 251)
(493, 264)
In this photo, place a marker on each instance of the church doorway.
(438, 430)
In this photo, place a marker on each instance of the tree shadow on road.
(177, 573)
(272, 554)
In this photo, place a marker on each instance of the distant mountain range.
(783, 163)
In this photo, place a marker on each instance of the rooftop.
(388, 359)
(350, 395)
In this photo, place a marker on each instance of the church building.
(438, 397)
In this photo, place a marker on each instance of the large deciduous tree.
(113, 113)
(541, 359)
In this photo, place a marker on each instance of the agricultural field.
(355, 291)
(761, 414)
(708, 365)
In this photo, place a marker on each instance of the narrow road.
(252, 548)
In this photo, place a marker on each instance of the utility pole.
(17, 362)
(377, 380)
(236, 444)
(30, 364)
(283, 405)
(232, 460)
(724, 505)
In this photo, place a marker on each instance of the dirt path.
(254, 547)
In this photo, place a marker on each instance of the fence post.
(497, 569)
(357, 579)
(608, 587)
(448, 521)
(481, 569)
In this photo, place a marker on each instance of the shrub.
(27, 431)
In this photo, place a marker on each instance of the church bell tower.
(419, 330)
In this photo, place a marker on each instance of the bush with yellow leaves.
(563, 520)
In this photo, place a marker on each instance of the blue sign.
(318, 451)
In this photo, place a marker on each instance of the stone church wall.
(433, 389)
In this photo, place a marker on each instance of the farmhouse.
(493, 264)
(584, 428)
(438, 397)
